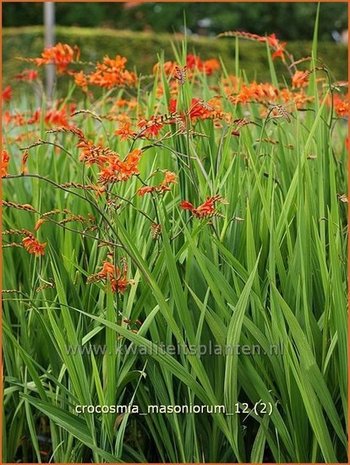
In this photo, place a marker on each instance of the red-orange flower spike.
(27, 75)
(199, 109)
(33, 246)
(272, 41)
(111, 72)
(300, 79)
(169, 178)
(81, 80)
(24, 162)
(94, 154)
(341, 105)
(125, 131)
(150, 128)
(121, 170)
(60, 55)
(58, 117)
(277, 46)
(206, 209)
(5, 160)
(116, 276)
(7, 94)
(209, 66)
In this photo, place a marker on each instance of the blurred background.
(140, 30)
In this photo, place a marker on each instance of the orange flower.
(94, 154)
(120, 170)
(254, 92)
(27, 75)
(209, 66)
(206, 209)
(125, 131)
(300, 79)
(193, 62)
(146, 190)
(169, 178)
(199, 109)
(116, 276)
(277, 46)
(60, 55)
(150, 128)
(59, 117)
(341, 105)
(271, 40)
(111, 73)
(169, 68)
(24, 162)
(33, 246)
(5, 159)
(81, 80)
(35, 118)
(7, 94)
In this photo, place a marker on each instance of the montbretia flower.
(206, 209)
(60, 55)
(115, 275)
(257, 92)
(81, 80)
(111, 73)
(150, 128)
(199, 109)
(27, 75)
(208, 66)
(341, 105)
(7, 94)
(125, 131)
(5, 160)
(193, 64)
(169, 178)
(277, 46)
(59, 116)
(116, 169)
(300, 79)
(33, 246)
(211, 65)
(94, 153)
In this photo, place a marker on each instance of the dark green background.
(291, 21)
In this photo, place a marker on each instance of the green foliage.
(268, 271)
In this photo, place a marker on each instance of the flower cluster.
(61, 55)
(7, 94)
(5, 160)
(33, 246)
(278, 48)
(267, 94)
(57, 115)
(108, 74)
(170, 114)
(115, 169)
(194, 64)
(116, 276)
(27, 75)
(206, 209)
(341, 105)
(112, 167)
(164, 186)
